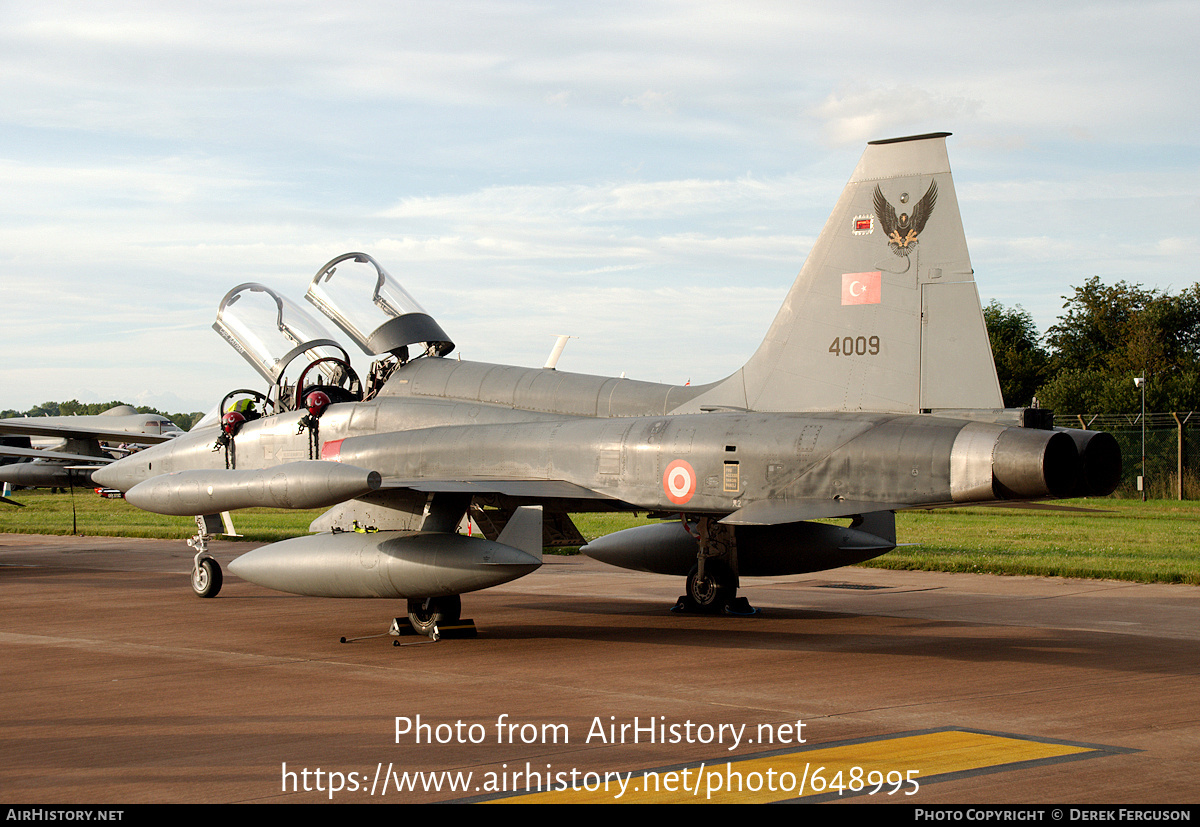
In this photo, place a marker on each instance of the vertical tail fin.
(884, 315)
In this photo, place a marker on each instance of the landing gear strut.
(712, 583)
(206, 571)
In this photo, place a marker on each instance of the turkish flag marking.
(862, 288)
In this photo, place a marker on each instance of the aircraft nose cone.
(106, 477)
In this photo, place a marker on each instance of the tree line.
(1106, 336)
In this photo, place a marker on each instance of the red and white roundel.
(679, 482)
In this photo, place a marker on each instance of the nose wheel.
(206, 571)
(207, 578)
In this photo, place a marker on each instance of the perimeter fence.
(1172, 451)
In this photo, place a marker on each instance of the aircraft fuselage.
(709, 463)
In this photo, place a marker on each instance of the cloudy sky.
(647, 176)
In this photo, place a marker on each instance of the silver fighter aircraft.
(873, 391)
(78, 447)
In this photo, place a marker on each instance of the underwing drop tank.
(763, 551)
(400, 564)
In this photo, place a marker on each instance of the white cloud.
(651, 101)
(859, 115)
(511, 161)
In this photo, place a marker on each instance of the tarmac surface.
(119, 686)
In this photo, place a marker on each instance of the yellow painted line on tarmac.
(886, 769)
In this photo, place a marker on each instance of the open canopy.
(359, 296)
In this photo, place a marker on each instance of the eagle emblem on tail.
(902, 230)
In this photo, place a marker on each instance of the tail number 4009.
(855, 346)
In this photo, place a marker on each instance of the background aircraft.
(873, 391)
(76, 449)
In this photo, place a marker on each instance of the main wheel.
(426, 613)
(207, 578)
(712, 591)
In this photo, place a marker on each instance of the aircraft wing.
(532, 489)
(78, 432)
(780, 512)
(37, 453)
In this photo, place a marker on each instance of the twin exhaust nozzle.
(990, 462)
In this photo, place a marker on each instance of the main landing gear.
(427, 614)
(713, 582)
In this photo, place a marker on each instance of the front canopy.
(266, 328)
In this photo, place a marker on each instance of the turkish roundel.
(862, 288)
(679, 481)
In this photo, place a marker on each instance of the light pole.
(1140, 382)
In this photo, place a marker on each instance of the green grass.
(47, 513)
(1158, 541)
(1153, 542)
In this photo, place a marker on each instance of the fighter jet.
(78, 450)
(874, 391)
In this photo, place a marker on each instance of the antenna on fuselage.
(556, 352)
